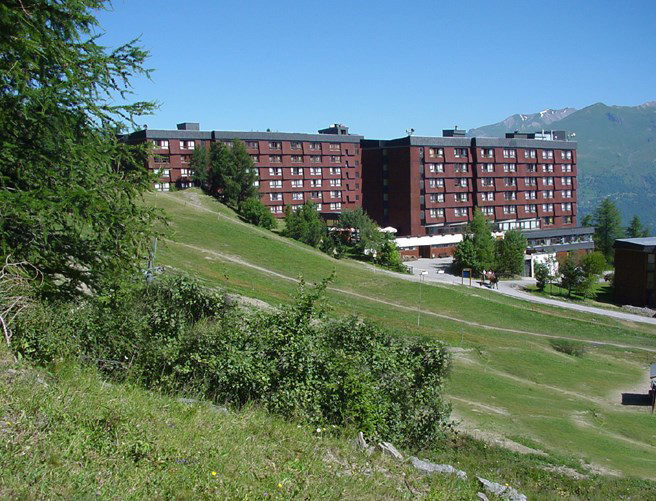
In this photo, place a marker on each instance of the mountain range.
(616, 153)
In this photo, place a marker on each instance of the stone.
(428, 468)
(482, 496)
(390, 450)
(503, 491)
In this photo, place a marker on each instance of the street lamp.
(422, 274)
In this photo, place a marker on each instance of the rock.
(360, 442)
(390, 450)
(428, 468)
(482, 496)
(503, 491)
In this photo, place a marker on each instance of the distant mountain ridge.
(616, 153)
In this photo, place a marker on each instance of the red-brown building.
(292, 168)
(430, 185)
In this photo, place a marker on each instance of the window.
(548, 194)
(162, 186)
(435, 167)
(161, 159)
(186, 172)
(315, 194)
(335, 194)
(297, 196)
(335, 170)
(566, 167)
(547, 153)
(509, 195)
(487, 152)
(531, 195)
(531, 208)
(315, 183)
(436, 183)
(335, 182)
(460, 152)
(460, 168)
(488, 197)
(435, 213)
(509, 181)
(335, 159)
(509, 168)
(437, 197)
(295, 207)
(276, 209)
(548, 221)
(297, 158)
(548, 181)
(460, 211)
(336, 206)
(334, 147)
(461, 197)
(566, 155)
(275, 171)
(487, 168)
(435, 152)
(187, 145)
(567, 194)
(509, 209)
(275, 184)
(566, 206)
(274, 145)
(163, 172)
(531, 168)
(462, 183)
(275, 159)
(508, 153)
(256, 183)
(318, 207)
(531, 181)
(161, 143)
(297, 183)
(547, 207)
(315, 146)
(567, 220)
(251, 144)
(295, 145)
(274, 197)
(185, 159)
(567, 181)
(255, 158)
(529, 153)
(315, 171)
(488, 211)
(315, 159)
(297, 171)
(487, 182)
(547, 167)
(228, 144)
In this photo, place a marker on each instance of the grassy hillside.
(507, 379)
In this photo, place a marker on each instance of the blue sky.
(382, 67)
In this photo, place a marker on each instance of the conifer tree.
(244, 169)
(608, 228)
(635, 229)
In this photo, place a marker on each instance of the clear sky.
(381, 67)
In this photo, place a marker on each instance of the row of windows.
(299, 183)
(528, 195)
(333, 206)
(276, 159)
(528, 153)
(276, 197)
(167, 172)
(184, 144)
(528, 181)
(439, 183)
(489, 167)
(298, 171)
(439, 213)
(294, 145)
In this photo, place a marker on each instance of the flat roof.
(647, 244)
(652, 371)
(263, 136)
(558, 232)
(467, 142)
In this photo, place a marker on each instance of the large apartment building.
(292, 167)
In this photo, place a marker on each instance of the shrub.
(177, 336)
(255, 212)
(574, 348)
(541, 275)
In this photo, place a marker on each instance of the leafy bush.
(176, 336)
(304, 224)
(568, 347)
(541, 275)
(255, 212)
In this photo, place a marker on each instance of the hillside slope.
(507, 379)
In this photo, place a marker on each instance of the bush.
(541, 275)
(568, 347)
(176, 336)
(255, 212)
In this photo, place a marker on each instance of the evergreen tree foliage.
(71, 190)
(510, 253)
(478, 236)
(541, 272)
(608, 227)
(571, 274)
(222, 174)
(304, 224)
(587, 221)
(199, 164)
(245, 175)
(636, 229)
(465, 255)
(255, 212)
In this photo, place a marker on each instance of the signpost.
(422, 274)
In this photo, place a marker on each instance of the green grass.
(603, 297)
(68, 434)
(543, 395)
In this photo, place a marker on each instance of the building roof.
(491, 142)
(647, 244)
(246, 136)
(558, 232)
(466, 142)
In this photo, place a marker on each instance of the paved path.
(436, 269)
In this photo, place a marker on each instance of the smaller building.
(634, 271)
(544, 246)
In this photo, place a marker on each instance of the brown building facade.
(635, 262)
(292, 168)
(430, 185)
